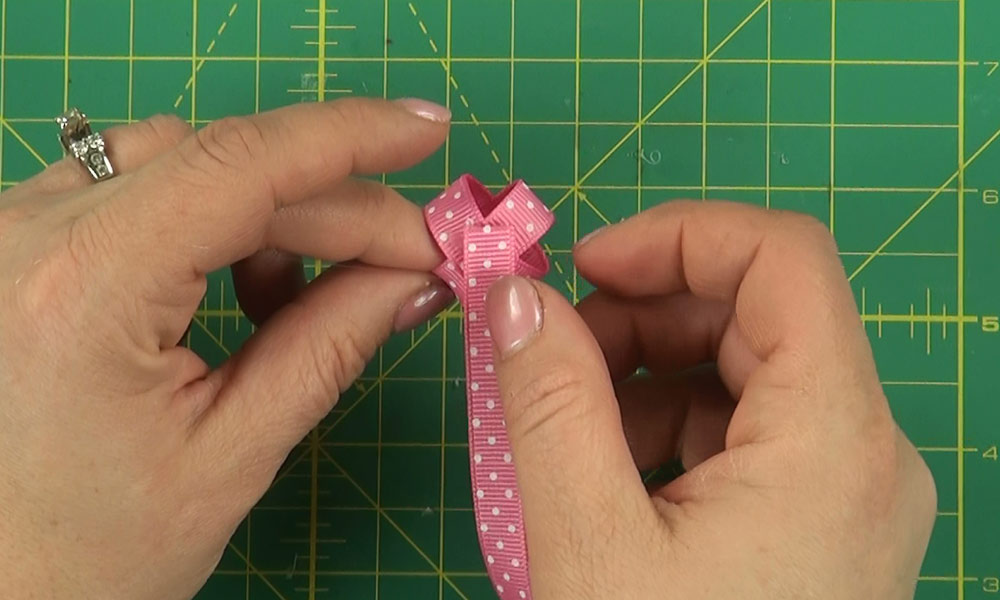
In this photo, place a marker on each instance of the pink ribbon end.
(485, 237)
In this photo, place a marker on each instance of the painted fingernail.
(514, 313)
(591, 235)
(425, 304)
(426, 109)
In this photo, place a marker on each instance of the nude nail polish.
(422, 306)
(590, 236)
(426, 109)
(514, 313)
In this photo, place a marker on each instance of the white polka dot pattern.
(483, 238)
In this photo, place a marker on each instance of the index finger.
(213, 197)
(779, 272)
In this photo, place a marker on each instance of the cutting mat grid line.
(847, 110)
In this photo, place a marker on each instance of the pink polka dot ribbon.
(483, 238)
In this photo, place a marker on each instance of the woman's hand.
(799, 484)
(125, 464)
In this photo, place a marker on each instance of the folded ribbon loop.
(483, 238)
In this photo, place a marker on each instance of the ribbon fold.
(485, 237)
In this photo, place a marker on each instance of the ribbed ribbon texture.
(484, 237)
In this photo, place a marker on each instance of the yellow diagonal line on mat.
(586, 200)
(23, 141)
(374, 385)
(256, 571)
(461, 96)
(871, 256)
(402, 532)
(381, 378)
(211, 46)
(698, 66)
(212, 337)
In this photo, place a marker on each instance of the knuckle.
(346, 111)
(10, 217)
(343, 116)
(884, 478)
(90, 237)
(804, 228)
(350, 354)
(165, 128)
(232, 142)
(46, 286)
(374, 198)
(924, 490)
(548, 402)
(335, 359)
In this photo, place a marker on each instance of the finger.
(675, 416)
(780, 273)
(215, 195)
(358, 220)
(289, 375)
(574, 469)
(267, 281)
(128, 147)
(668, 334)
(663, 334)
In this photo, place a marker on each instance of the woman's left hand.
(125, 463)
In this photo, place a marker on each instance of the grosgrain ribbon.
(483, 238)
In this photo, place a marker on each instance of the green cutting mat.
(877, 117)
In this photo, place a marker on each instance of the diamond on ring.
(87, 146)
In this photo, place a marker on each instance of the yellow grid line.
(446, 65)
(704, 99)
(376, 383)
(131, 61)
(450, 80)
(906, 223)
(574, 286)
(256, 73)
(313, 508)
(833, 114)
(199, 62)
(510, 134)
(767, 116)
(444, 413)
(6, 124)
(381, 351)
(912, 318)
(66, 57)
(762, 124)
(504, 59)
(381, 511)
(321, 15)
(960, 308)
(3, 79)
(255, 571)
(701, 64)
(194, 63)
(638, 113)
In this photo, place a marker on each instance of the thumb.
(575, 473)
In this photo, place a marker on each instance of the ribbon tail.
(488, 257)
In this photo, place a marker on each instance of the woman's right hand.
(799, 484)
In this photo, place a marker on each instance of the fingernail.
(425, 109)
(514, 313)
(591, 235)
(422, 306)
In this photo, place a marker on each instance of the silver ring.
(87, 146)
